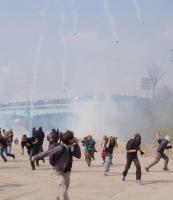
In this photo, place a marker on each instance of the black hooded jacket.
(133, 144)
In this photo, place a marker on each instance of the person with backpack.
(61, 158)
(163, 145)
(109, 147)
(132, 147)
(89, 149)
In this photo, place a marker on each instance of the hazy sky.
(64, 48)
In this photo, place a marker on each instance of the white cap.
(167, 137)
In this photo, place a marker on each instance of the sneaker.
(105, 173)
(138, 182)
(166, 169)
(123, 179)
(147, 170)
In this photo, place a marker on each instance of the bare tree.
(156, 74)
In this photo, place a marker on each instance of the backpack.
(53, 158)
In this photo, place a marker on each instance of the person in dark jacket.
(53, 137)
(61, 158)
(33, 131)
(41, 138)
(39, 135)
(163, 145)
(3, 148)
(31, 145)
(132, 147)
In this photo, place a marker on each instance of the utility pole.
(146, 84)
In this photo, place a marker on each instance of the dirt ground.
(19, 182)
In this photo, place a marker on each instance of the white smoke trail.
(37, 56)
(38, 49)
(108, 14)
(75, 17)
(36, 63)
(4, 74)
(64, 46)
(5, 96)
(138, 10)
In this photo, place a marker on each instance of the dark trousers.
(134, 159)
(31, 153)
(39, 149)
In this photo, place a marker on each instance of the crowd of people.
(63, 147)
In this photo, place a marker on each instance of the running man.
(89, 149)
(163, 145)
(31, 146)
(3, 148)
(132, 147)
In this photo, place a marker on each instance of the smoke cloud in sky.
(89, 62)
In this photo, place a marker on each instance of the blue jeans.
(107, 163)
(4, 150)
